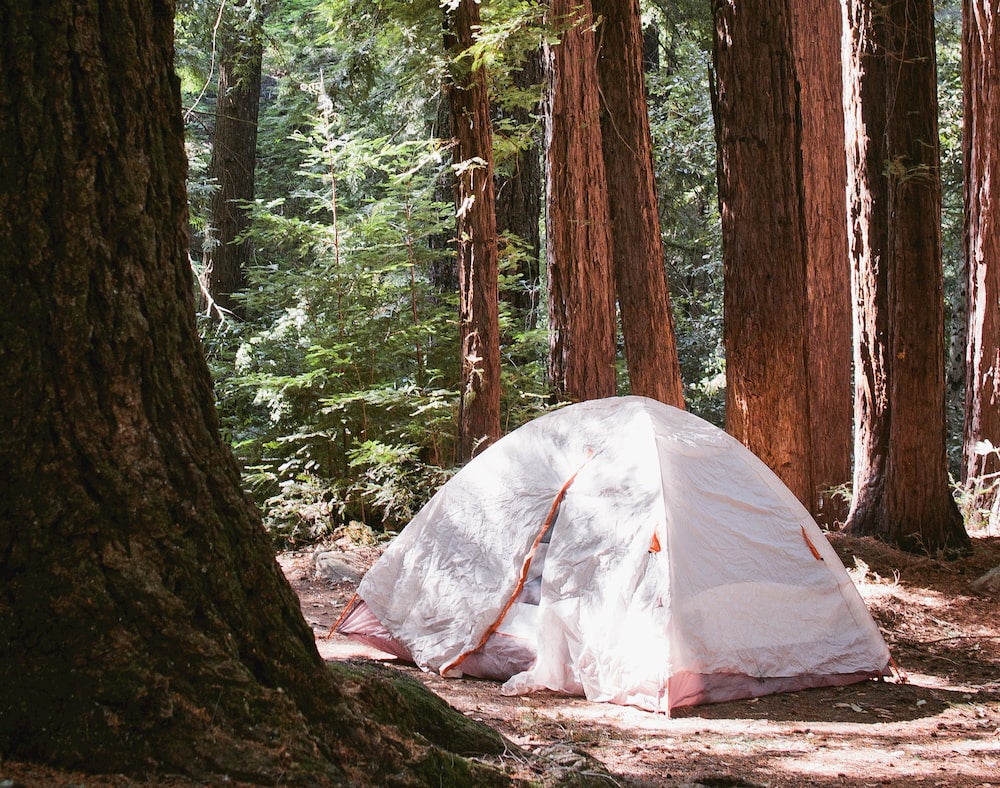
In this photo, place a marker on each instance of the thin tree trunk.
(650, 49)
(146, 626)
(443, 268)
(766, 325)
(901, 490)
(816, 33)
(479, 327)
(981, 77)
(582, 324)
(864, 122)
(227, 250)
(640, 275)
(519, 200)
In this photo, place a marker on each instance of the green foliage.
(355, 360)
(977, 497)
(949, 52)
(684, 141)
(340, 394)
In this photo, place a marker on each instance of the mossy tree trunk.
(145, 623)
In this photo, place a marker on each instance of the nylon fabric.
(734, 603)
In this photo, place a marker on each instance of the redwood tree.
(901, 489)
(519, 195)
(764, 242)
(641, 281)
(981, 77)
(227, 249)
(578, 238)
(145, 623)
(477, 241)
(816, 26)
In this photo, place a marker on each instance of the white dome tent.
(623, 550)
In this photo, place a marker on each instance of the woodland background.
(337, 366)
(338, 377)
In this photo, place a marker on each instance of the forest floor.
(937, 725)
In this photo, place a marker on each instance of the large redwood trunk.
(764, 243)
(129, 553)
(146, 626)
(816, 26)
(981, 77)
(227, 250)
(901, 490)
(641, 281)
(479, 410)
(582, 322)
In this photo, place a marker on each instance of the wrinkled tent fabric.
(676, 569)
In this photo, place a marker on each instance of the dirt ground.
(938, 724)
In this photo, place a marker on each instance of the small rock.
(330, 565)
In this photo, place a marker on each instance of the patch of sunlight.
(908, 762)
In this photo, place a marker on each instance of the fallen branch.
(957, 637)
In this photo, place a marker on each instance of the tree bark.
(981, 72)
(146, 626)
(582, 324)
(443, 268)
(479, 407)
(816, 26)
(764, 243)
(901, 491)
(227, 250)
(640, 275)
(519, 200)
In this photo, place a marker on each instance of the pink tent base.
(683, 689)
(694, 689)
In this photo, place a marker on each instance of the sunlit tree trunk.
(764, 243)
(477, 243)
(816, 28)
(578, 251)
(227, 249)
(981, 77)
(865, 123)
(901, 489)
(146, 627)
(640, 276)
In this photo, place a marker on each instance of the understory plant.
(353, 366)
